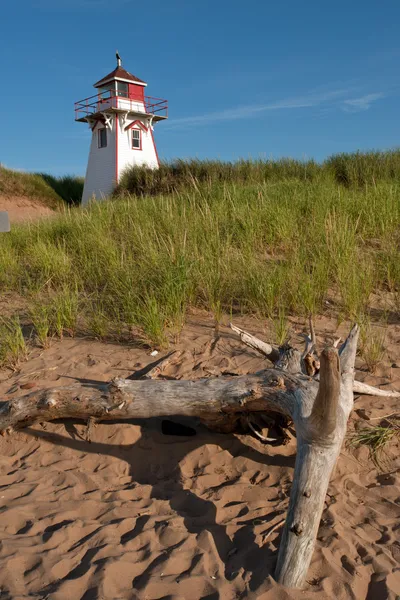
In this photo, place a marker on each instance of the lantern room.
(121, 91)
(120, 83)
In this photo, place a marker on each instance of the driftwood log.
(316, 392)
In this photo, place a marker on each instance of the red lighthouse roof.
(119, 73)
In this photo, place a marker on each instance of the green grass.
(377, 438)
(12, 342)
(272, 239)
(69, 187)
(372, 342)
(179, 174)
(350, 170)
(53, 192)
(364, 168)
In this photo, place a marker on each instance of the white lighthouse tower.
(121, 118)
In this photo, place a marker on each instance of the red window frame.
(140, 139)
(98, 137)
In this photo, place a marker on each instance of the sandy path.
(136, 514)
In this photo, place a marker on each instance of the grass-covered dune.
(222, 237)
(46, 189)
(350, 170)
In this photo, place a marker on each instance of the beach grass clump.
(55, 314)
(372, 342)
(67, 187)
(364, 168)
(13, 347)
(377, 438)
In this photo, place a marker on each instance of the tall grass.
(51, 191)
(365, 168)
(180, 174)
(69, 187)
(357, 169)
(270, 246)
(12, 342)
(18, 183)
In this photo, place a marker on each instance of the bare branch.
(271, 531)
(369, 390)
(348, 351)
(312, 332)
(261, 437)
(310, 340)
(250, 340)
(290, 360)
(309, 346)
(160, 365)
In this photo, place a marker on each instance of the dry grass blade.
(271, 531)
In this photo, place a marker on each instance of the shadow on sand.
(164, 475)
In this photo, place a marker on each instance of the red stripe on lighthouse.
(116, 148)
(155, 147)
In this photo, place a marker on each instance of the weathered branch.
(310, 483)
(260, 436)
(161, 364)
(320, 434)
(250, 340)
(369, 390)
(310, 340)
(290, 360)
(348, 351)
(126, 399)
(323, 415)
(312, 332)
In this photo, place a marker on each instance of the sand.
(138, 514)
(22, 208)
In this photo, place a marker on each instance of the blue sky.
(243, 79)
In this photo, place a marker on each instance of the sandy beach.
(138, 514)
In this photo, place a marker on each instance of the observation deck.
(113, 102)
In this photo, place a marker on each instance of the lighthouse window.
(136, 139)
(107, 91)
(102, 137)
(122, 89)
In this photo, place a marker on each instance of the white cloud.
(362, 103)
(242, 112)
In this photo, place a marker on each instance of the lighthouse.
(121, 118)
